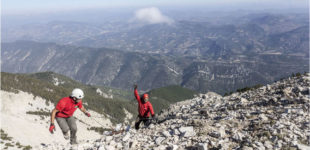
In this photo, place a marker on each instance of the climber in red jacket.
(63, 113)
(144, 107)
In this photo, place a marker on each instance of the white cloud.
(152, 15)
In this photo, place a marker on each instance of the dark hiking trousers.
(67, 124)
(145, 120)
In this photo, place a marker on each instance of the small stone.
(243, 101)
(263, 117)
(132, 144)
(176, 132)
(260, 145)
(204, 112)
(195, 113)
(108, 138)
(202, 146)
(187, 131)
(215, 134)
(161, 147)
(268, 145)
(113, 143)
(119, 145)
(101, 148)
(268, 87)
(274, 139)
(173, 147)
(97, 144)
(109, 147)
(238, 136)
(126, 137)
(166, 133)
(302, 147)
(159, 140)
(247, 148)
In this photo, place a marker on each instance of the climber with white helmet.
(63, 113)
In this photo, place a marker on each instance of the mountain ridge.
(121, 69)
(247, 33)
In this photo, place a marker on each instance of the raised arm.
(137, 94)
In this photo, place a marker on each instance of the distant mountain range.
(121, 69)
(208, 40)
(218, 54)
(208, 37)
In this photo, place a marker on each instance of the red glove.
(87, 114)
(52, 128)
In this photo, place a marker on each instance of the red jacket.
(144, 108)
(66, 107)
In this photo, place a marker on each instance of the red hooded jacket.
(144, 108)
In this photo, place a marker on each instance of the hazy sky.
(37, 6)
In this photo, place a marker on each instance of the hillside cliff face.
(275, 116)
(123, 69)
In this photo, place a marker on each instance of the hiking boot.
(73, 142)
(66, 135)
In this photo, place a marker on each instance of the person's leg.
(147, 122)
(73, 130)
(63, 124)
(137, 124)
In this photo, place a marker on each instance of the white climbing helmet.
(77, 93)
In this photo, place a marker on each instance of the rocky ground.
(275, 116)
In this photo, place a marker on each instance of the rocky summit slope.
(275, 116)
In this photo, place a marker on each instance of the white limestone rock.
(187, 131)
